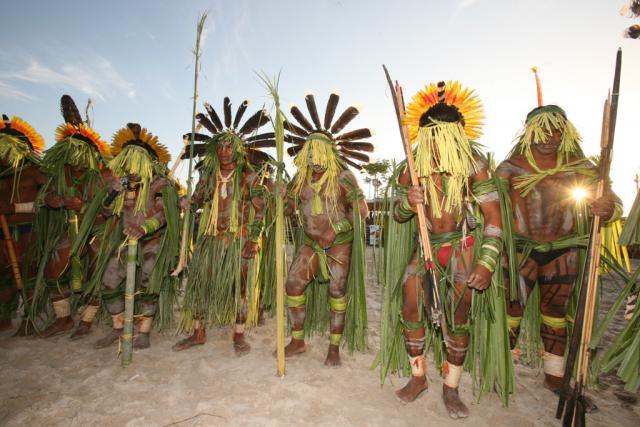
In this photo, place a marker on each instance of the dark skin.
(547, 214)
(468, 278)
(228, 164)
(30, 180)
(305, 264)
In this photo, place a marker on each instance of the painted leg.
(456, 350)
(86, 320)
(142, 340)
(114, 335)
(199, 337)
(63, 322)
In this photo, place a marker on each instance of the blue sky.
(133, 59)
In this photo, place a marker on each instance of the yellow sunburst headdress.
(137, 152)
(74, 127)
(23, 131)
(324, 144)
(443, 120)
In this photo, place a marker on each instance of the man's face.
(225, 153)
(134, 181)
(551, 145)
(314, 167)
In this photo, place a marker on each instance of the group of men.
(70, 211)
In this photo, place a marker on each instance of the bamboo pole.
(129, 295)
(186, 225)
(11, 251)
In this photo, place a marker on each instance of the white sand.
(60, 382)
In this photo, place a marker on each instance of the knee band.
(554, 322)
(294, 301)
(411, 326)
(338, 305)
(514, 321)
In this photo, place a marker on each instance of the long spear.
(583, 327)
(437, 315)
(186, 226)
(278, 125)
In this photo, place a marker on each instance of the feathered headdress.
(348, 146)
(74, 127)
(248, 143)
(540, 123)
(443, 120)
(137, 152)
(22, 132)
(18, 141)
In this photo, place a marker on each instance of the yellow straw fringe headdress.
(443, 120)
(23, 129)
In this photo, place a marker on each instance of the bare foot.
(413, 389)
(141, 341)
(111, 338)
(453, 404)
(199, 337)
(240, 345)
(61, 324)
(25, 329)
(333, 356)
(83, 329)
(294, 347)
(5, 325)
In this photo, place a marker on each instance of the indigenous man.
(331, 212)
(146, 209)
(20, 182)
(222, 272)
(442, 119)
(74, 166)
(542, 172)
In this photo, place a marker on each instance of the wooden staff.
(437, 315)
(11, 251)
(583, 327)
(129, 300)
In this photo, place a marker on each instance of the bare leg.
(339, 259)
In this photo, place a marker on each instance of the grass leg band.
(554, 322)
(238, 328)
(144, 324)
(295, 301)
(334, 339)
(452, 376)
(89, 313)
(338, 305)
(118, 320)
(514, 321)
(297, 335)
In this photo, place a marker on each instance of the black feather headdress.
(252, 142)
(349, 145)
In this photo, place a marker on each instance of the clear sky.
(134, 60)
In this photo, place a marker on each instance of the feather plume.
(135, 129)
(295, 129)
(633, 32)
(257, 157)
(268, 135)
(241, 109)
(357, 146)
(354, 155)
(69, 111)
(352, 163)
(294, 139)
(313, 110)
(227, 112)
(198, 150)
(300, 118)
(330, 111)
(259, 119)
(267, 143)
(344, 119)
(214, 116)
(441, 86)
(293, 151)
(355, 134)
(205, 122)
(197, 137)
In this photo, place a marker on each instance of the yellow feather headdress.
(74, 127)
(133, 134)
(452, 94)
(18, 127)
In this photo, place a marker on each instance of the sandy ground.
(59, 382)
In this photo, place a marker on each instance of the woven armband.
(404, 210)
(490, 253)
(254, 230)
(485, 191)
(342, 226)
(256, 192)
(150, 225)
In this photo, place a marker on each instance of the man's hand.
(6, 208)
(54, 201)
(415, 196)
(249, 250)
(73, 203)
(134, 232)
(480, 279)
(603, 207)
